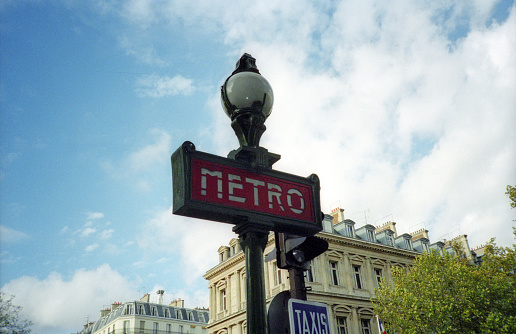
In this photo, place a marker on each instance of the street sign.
(210, 187)
(308, 317)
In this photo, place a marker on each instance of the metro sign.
(210, 187)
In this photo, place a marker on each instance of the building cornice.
(368, 245)
(237, 258)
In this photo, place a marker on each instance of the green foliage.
(10, 321)
(445, 293)
(511, 192)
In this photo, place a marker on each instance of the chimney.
(105, 312)
(178, 303)
(387, 226)
(422, 233)
(115, 305)
(160, 296)
(145, 298)
(337, 214)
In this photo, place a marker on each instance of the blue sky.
(404, 111)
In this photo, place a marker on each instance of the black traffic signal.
(293, 251)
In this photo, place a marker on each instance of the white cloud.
(94, 215)
(9, 235)
(55, 304)
(87, 231)
(193, 241)
(152, 153)
(139, 164)
(141, 50)
(91, 248)
(161, 86)
(391, 118)
(106, 234)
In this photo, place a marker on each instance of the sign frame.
(187, 203)
(310, 320)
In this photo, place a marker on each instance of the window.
(365, 325)
(128, 309)
(142, 327)
(356, 275)
(378, 275)
(190, 316)
(126, 327)
(342, 327)
(180, 329)
(390, 240)
(169, 329)
(349, 230)
(167, 313)
(277, 279)
(141, 309)
(370, 236)
(179, 315)
(425, 247)
(334, 270)
(408, 245)
(155, 328)
(154, 311)
(310, 273)
(223, 300)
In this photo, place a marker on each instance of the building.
(344, 277)
(144, 317)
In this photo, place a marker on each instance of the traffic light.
(296, 252)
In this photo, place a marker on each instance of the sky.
(405, 110)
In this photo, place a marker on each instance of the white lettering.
(314, 325)
(298, 316)
(274, 194)
(232, 186)
(325, 324)
(255, 183)
(306, 326)
(218, 174)
(289, 200)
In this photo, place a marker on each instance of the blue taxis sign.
(308, 317)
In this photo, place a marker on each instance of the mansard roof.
(152, 311)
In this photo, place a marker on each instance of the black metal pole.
(253, 243)
(297, 283)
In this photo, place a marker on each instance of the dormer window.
(404, 241)
(370, 236)
(349, 231)
(128, 309)
(425, 247)
(390, 240)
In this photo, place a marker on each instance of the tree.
(10, 320)
(511, 192)
(445, 293)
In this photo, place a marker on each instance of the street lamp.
(247, 99)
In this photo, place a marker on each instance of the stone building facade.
(144, 317)
(344, 277)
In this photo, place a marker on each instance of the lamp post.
(244, 190)
(247, 98)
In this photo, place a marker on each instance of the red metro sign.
(220, 189)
